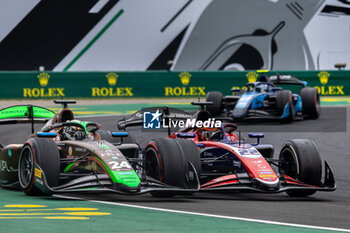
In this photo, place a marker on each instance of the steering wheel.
(232, 127)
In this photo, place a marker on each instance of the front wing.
(98, 183)
(242, 182)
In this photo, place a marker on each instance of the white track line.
(211, 215)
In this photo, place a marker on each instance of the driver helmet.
(263, 87)
(73, 133)
(209, 133)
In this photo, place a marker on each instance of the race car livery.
(69, 155)
(265, 99)
(228, 163)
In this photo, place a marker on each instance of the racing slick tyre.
(285, 97)
(311, 102)
(191, 152)
(166, 161)
(43, 152)
(301, 161)
(215, 97)
(107, 136)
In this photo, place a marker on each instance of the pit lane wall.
(35, 85)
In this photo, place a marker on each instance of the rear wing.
(279, 79)
(25, 114)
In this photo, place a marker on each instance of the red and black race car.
(227, 163)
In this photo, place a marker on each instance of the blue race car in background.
(266, 100)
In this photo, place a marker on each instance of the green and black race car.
(69, 155)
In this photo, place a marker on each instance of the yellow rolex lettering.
(330, 90)
(177, 91)
(120, 91)
(184, 91)
(60, 91)
(52, 92)
(42, 92)
(104, 91)
(340, 90)
(168, 91)
(324, 91)
(111, 92)
(128, 91)
(193, 90)
(95, 91)
(201, 91)
(35, 92)
(27, 92)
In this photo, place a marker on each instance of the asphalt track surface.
(325, 209)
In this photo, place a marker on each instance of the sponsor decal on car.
(110, 153)
(79, 149)
(237, 163)
(265, 172)
(267, 176)
(70, 151)
(37, 173)
(250, 152)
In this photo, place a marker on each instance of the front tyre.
(166, 160)
(300, 160)
(43, 152)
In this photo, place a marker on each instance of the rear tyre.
(165, 161)
(44, 152)
(311, 102)
(300, 160)
(285, 97)
(217, 107)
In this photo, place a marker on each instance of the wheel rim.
(26, 167)
(288, 163)
(151, 167)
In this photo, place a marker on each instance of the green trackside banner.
(34, 85)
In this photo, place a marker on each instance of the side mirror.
(185, 135)
(257, 136)
(46, 135)
(119, 134)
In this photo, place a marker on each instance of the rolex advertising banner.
(56, 85)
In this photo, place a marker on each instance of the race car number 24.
(116, 165)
